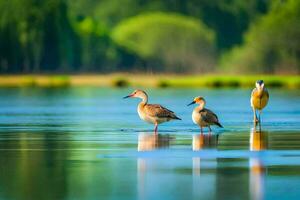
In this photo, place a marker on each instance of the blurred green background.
(150, 36)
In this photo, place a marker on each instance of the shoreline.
(144, 80)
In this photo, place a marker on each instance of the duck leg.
(260, 109)
(155, 129)
(209, 129)
(201, 130)
(259, 117)
(254, 117)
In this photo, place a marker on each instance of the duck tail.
(175, 117)
(218, 124)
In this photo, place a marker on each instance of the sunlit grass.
(231, 81)
(35, 81)
(143, 80)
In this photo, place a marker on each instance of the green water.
(88, 143)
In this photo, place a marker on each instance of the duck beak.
(128, 96)
(193, 102)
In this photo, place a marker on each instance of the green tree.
(35, 36)
(229, 19)
(75, 35)
(177, 42)
(272, 45)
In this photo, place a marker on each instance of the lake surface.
(89, 143)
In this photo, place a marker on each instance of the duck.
(152, 113)
(259, 99)
(202, 116)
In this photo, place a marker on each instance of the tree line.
(178, 36)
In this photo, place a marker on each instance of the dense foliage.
(148, 35)
(272, 45)
(171, 40)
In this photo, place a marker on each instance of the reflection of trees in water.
(32, 167)
(230, 173)
(232, 179)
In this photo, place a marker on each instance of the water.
(88, 143)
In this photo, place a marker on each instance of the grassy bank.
(139, 80)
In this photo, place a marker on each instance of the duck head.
(137, 94)
(198, 100)
(260, 84)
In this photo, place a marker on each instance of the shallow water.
(88, 143)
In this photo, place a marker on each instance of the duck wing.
(253, 92)
(209, 117)
(156, 110)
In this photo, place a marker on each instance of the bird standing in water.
(259, 99)
(152, 113)
(202, 116)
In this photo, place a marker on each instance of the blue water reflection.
(87, 143)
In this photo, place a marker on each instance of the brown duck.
(203, 116)
(152, 113)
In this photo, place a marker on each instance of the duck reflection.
(258, 142)
(149, 142)
(202, 142)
